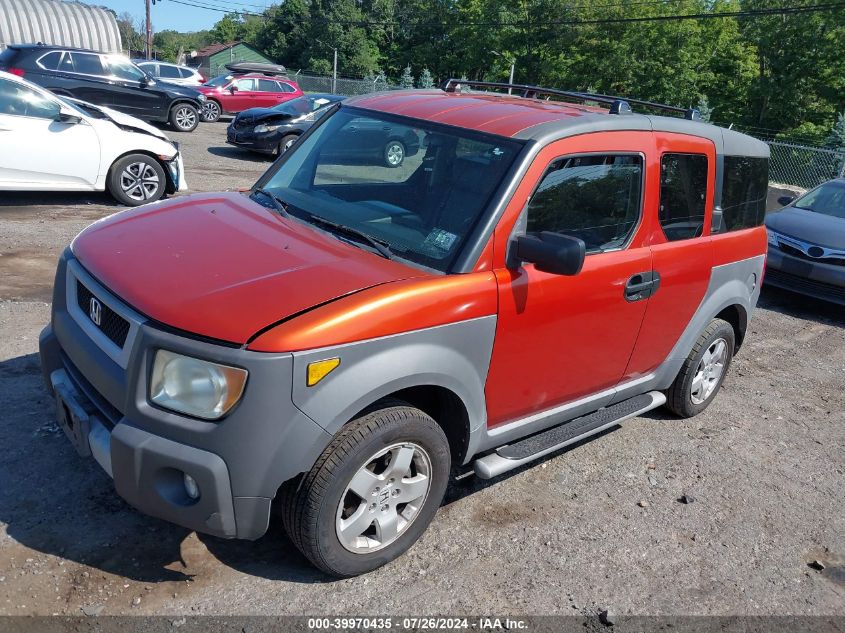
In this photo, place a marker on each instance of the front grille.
(799, 254)
(805, 285)
(114, 326)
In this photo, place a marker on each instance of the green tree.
(425, 80)
(704, 109)
(406, 81)
(226, 28)
(836, 138)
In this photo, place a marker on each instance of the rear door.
(131, 90)
(682, 251)
(561, 338)
(86, 77)
(39, 151)
(268, 93)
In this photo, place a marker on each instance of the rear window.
(683, 189)
(745, 185)
(7, 56)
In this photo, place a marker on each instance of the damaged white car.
(52, 143)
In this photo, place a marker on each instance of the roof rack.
(618, 105)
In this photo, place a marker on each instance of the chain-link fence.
(804, 166)
(341, 86)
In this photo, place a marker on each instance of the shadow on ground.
(801, 307)
(239, 154)
(55, 199)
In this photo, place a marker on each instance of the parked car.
(274, 130)
(172, 73)
(107, 80)
(807, 243)
(235, 93)
(337, 339)
(53, 143)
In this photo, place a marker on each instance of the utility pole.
(512, 61)
(149, 46)
(334, 73)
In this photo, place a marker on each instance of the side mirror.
(233, 89)
(67, 117)
(785, 200)
(551, 252)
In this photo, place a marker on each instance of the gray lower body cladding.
(239, 462)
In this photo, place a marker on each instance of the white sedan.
(51, 143)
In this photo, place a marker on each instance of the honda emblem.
(95, 311)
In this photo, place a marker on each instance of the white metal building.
(58, 22)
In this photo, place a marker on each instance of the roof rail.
(618, 105)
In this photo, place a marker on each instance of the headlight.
(202, 97)
(260, 129)
(773, 237)
(196, 387)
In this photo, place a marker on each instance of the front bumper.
(266, 143)
(101, 390)
(804, 276)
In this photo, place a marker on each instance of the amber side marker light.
(320, 369)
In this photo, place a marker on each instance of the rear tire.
(211, 111)
(371, 494)
(394, 153)
(184, 117)
(136, 179)
(703, 371)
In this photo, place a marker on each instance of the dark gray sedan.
(807, 243)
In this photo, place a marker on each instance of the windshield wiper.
(281, 205)
(379, 245)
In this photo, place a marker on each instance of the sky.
(170, 15)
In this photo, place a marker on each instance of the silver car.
(173, 73)
(807, 243)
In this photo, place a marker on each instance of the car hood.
(126, 121)
(257, 115)
(808, 226)
(222, 266)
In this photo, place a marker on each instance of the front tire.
(394, 153)
(211, 111)
(703, 371)
(372, 493)
(136, 179)
(285, 143)
(184, 117)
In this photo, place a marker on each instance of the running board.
(515, 455)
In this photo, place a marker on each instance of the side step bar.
(512, 456)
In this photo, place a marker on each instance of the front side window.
(404, 183)
(125, 70)
(745, 185)
(20, 100)
(245, 85)
(683, 191)
(596, 198)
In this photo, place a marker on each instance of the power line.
(749, 13)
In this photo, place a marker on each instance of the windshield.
(222, 80)
(416, 187)
(305, 105)
(828, 199)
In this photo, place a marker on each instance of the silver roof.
(60, 23)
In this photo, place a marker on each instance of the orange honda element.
(341, 336)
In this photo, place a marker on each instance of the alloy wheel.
(709, 372)
(186, 118)
(210, 111)
(394, 154)
(139, 181)
(383, 498)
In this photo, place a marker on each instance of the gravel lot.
(765, 465)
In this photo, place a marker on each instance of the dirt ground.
(765, 465)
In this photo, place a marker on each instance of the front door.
(38, 150)
(561, 338)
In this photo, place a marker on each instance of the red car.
(341, 338)
(235, 93)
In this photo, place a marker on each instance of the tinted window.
(286, 87)
(595, 198)
(86, 63)
(169, 72)
(124, 69)
(50, 61)
(19, 100)
(745, 185)
(423, 206)
(683, 188)
(186, 73)
(150, 68)
(245, 84)
(265, 85)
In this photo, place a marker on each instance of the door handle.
(642, 285)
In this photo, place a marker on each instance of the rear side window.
(283, 87)
(595, 198)
(50, 61)
(745, 185)
(86, 63)
(169, 72)
(265, 85)
(683, 189)
(186, 73)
